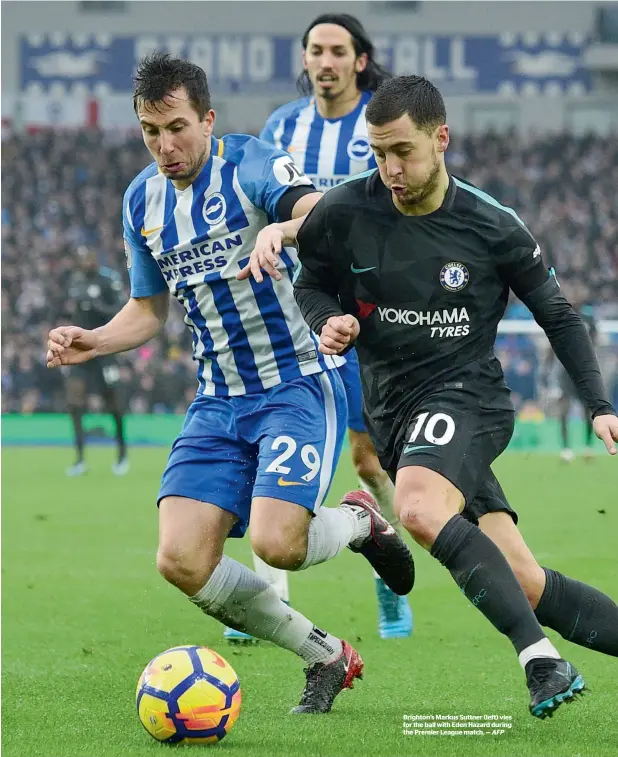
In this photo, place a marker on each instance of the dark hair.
(373, 75)
(413, 95)
(158, 74)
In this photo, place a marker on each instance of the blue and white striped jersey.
(247, 336)
(328, 150)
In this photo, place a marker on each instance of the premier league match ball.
(188, 695)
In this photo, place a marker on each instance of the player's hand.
(337, 333)
(265, 256)
(606, 428)
(70, 345)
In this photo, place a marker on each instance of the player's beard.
(329, 93)
(340, 88)
(194, 169)
(418, 195)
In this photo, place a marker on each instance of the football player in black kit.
(413, 266)
(96, 294)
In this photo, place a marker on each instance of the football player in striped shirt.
(261, 440)
(326, 133)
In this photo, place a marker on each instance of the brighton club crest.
(214, 209)
(454, 276)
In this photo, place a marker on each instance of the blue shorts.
(283, 443)
(350, 373)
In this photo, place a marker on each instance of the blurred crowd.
(64, 190)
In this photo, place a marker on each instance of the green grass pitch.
(84, 610)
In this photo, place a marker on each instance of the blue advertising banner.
(528, 64)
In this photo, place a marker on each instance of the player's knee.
(419, 524)
(423, 510)
(285, 549)
(188, 571)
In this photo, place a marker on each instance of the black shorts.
(101, 375)
(459, 433)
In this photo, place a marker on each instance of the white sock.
(239, 598)
(332, 529)
(542, 648)
(277, 578)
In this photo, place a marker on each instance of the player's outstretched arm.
(268, 245)
(138, 322)
(316, 287)
(271, 240)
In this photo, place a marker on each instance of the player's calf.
(364, 458)
(501, 529)
(480, 570)
(285, 535)
(577, 611)
(240, 599)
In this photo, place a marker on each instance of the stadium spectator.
(64, 189)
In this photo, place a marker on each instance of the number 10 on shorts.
(438, 428)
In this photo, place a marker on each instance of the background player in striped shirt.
(261, 440)
(326, 133)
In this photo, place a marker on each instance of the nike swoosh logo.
(147, 232)
(281, 482)
(362, 270)
(412, 448)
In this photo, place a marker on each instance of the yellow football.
(188, 695)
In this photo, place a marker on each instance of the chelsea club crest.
(454, 276)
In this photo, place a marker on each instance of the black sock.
(485, 577)
(78, 428)
(120, 441)
(580, 613)
(564, 431)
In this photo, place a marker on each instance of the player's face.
(176, 137)
(331, 62)
(409, 159)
